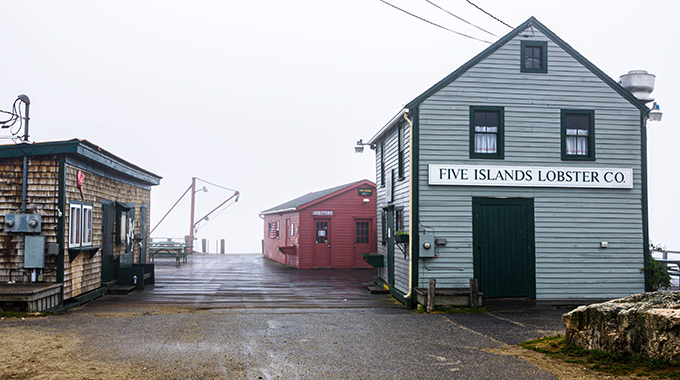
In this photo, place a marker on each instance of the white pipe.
(410, 205)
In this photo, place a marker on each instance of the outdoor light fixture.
(360, 146)
(655, 113)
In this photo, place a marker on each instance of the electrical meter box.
(427, 245)
(23, 222)
(34, 251)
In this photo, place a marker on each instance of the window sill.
(578, 159)
(73, 252)
(487, 157)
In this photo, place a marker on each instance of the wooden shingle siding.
(569, 223)
(42, 192)
(84, 274)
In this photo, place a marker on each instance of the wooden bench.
(137, 274)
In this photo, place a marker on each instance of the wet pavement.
(251, 281)
(245, 317)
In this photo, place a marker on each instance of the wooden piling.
(430, 295)
(474, 293)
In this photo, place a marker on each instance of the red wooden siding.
(347, 206)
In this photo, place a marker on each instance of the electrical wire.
(432, 23)
(213, 218)
(461, 19)
(212, 184)
(489, 14)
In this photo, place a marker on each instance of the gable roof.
(533, 22)
(309, 199)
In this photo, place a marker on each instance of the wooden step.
(377, 289)
(121, 289)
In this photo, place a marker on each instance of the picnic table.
(176, 250)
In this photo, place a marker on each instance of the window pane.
(485, 143)
(480, 118)
(537, 57)
(571, 144)
(491, 119)
(76, 225)
(582, 146)
(572, 122)
(87, 225)
(74, 229)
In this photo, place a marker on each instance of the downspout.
(645, 203)
(410, 206)
(61, 229)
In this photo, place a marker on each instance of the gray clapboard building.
(526, 169)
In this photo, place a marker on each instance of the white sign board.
(322, 213)
(530, 176)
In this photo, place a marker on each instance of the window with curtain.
(578, 140)
(486, 132)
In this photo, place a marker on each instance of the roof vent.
(640, 83)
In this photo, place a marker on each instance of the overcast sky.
(269, 97)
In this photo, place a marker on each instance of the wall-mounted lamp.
(366, 200)
(360, 146)
(655, 113)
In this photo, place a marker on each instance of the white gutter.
(278, 211)
(402, 114)
(410, 204)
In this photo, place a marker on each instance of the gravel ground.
(161, 342)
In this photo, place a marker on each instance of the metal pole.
(24, 182)
(193, 204)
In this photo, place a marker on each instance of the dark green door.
(108, 232)
(503, 241)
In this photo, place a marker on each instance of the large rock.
(646, 324)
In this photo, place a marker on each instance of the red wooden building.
(326, 229)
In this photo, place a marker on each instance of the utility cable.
(432, 23)
(463, 20)
(489, 14)
(221, 187)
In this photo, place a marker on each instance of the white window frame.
(81, 219)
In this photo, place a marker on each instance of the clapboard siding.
(346, 206)
(400, 198)
(569, 223)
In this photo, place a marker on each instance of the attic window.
(534, 57)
